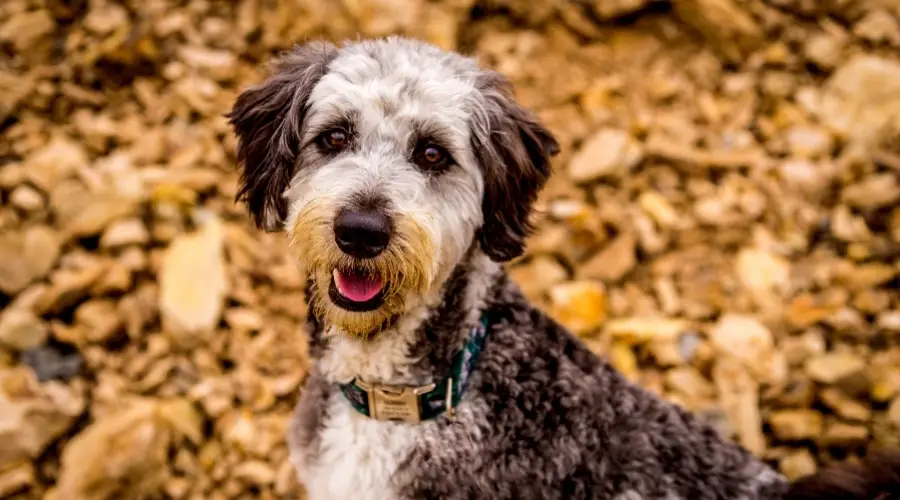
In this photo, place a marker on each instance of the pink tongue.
(357, 287)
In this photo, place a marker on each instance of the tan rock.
(614, 261)
(862, 97)
(539, 274)
(611, 9)
(99, 319)
(798, 464)
(824, 50)
(125, 232)
(27, 199)
(874, 191)
(845, 407)
(744, 338)
(831, 367)
(689, 382)
(34, 415)
(739, 400)
(124, 453)
(622, 357)
(609, 152)
(796, 425)
(763, 272)
(193, 282)
(731, 29)
(68, 287)
(21, 330)
(580, 305)
(98, 213)
(26, 257)
(57, 160)
(15, 479)
(842, 434)
(638, 330)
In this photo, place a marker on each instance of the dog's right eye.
(333, 140)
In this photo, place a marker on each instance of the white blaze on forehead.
(392, 92)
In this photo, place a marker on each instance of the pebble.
(832, 367)
(193, 283)
(580, 305)
(609, 152)
(21, 330)
(796, 425)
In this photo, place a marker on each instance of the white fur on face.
(390, 95)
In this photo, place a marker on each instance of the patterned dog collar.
(414, 404)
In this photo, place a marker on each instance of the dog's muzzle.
(360, 234)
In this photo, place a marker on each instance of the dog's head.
(386, 161)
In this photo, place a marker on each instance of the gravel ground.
(724, 224)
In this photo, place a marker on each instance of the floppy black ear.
(267, 119)
(514, 150)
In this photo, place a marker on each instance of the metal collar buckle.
(392, 403)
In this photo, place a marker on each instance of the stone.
(123, 233)
(26, 256)
(193, 282)
(99, 319)
(21, 330)
(622, 357)
(807, 141)
(797, 464)
(98, 213)
(639, 330)
(580, 305)
(845, 407)
(824, 50)
(689, 382)
(878, 190)
(862, 98)
(796, 425)
(613, 262)
(34, 415)
(744, 338)
(609, 152)
(763, 272)
(27, 199)
(610, 9)
(68, 287)
(60, 158)
(16, 479)
(52, 362)
(122, 454)
(843, 434)
(726, 24)
(536, 276)
(739, 400)
(831, 367)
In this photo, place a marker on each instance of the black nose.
(362, 234)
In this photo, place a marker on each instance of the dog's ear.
(267, 120)
(514, 150)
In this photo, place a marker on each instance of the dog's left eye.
(432, 156)
(334, 139)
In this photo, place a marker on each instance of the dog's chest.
(357, 455)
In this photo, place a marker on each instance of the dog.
(405, 177)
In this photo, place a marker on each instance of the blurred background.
(723, 224)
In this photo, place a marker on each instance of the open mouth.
(356, 290)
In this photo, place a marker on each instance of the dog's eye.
(334, 139)
(432, 156)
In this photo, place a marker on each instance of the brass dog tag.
(398, 404)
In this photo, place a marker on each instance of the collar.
(414, 404)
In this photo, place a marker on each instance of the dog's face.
(386, 161)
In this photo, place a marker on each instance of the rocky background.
(724, 224)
